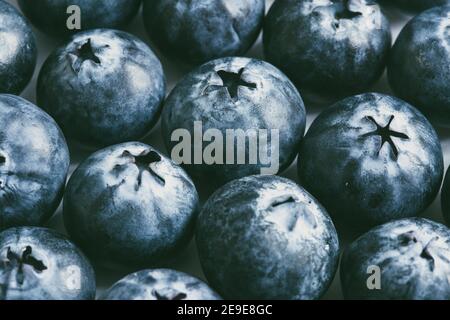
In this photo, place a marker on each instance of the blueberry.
(50, 16)
(237, 95)
(196, 31)
(445, 197)
(332, 48)
(34, 161)
(160, 284)
(41, 264)
(417, 5)
(264, 237)
(102, 87)
(128, 204)
(411, 257)
(18, 52)
(370, 159)
(418, 69)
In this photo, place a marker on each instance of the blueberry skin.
(445, 197)
(34, 161)
(370, 159)
(41, 264)
(264, 237)
(417, 5)
(130, 205)
(50, 16)
(18, 52)
(197, 31)
(103, 87)
(412, 255)
(260, 97)
(332, 49)
(419, 69)
(160, 284)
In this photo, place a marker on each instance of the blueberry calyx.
(231, 81)
(178, 296)
(26, 258)
(386, 135)
(84, 53)
(143, 163)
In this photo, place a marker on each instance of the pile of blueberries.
(370, 163)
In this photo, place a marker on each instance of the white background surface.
(188, 261)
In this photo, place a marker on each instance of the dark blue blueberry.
(409, 257)
(196, 31)
(41, 264)
(34, 161)
(160, 284)
(416, 5)
(130, 204)
(445, 197)
(18, 50)
(264, 237)
(50, 16)
(333, 48)
(370, 159)
(418, 69)
(236, 94)
(102, 87)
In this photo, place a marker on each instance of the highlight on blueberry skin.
(418, 68)
(41, 264)
(51, 16)
(34, 161)
(370, 159)
(130, 205)
(241, 95)
(196, 31)
(18, 51)
(410, 256)
(265, 237)
(160, 284)
(329, 48)
(445, 197)
(102, 87)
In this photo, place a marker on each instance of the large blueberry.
(52, 16)
(102, 87)
(419, 67)
(405, 259)
(196, 31)
(247, 113)
(18, 50)
(370, 159)
(160, 284)
(445, 197)
(34, 160)
(333, 48)
(130, 204)
(264, 237)
(41, 264)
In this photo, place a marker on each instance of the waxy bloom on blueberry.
(411, 257)
(370, 159)
(128, 204)
(41, 264)
(264, 237)
(102, 87)
(160, 284)
(18, 50)
(34, 161)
